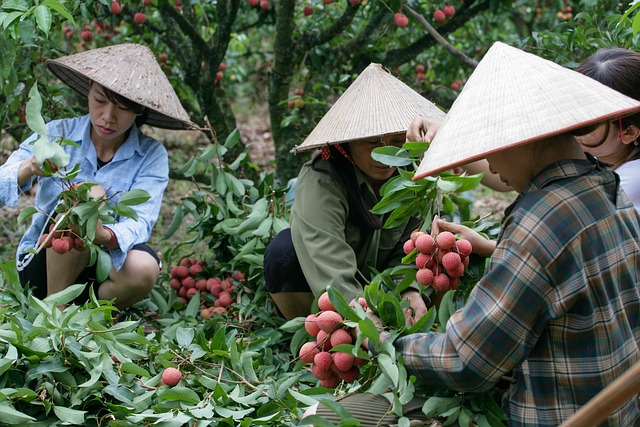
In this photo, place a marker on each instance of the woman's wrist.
(111, 243)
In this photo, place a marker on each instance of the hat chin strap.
(325, 153)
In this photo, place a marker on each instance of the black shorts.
(282, 271)
(35, 274)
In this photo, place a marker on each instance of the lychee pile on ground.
(440, 260)
(328, 331)
(61, 241)
(217, 294)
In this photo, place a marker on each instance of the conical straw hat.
(513, 98)
(131, 71)
(375, 104)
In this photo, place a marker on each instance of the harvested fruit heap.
(440, 260)
(328, 330)
(217, 294)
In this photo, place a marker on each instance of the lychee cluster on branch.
(61, 241)
(328, 328)
(217, 294)
(440, 260)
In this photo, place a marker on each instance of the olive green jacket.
(331, 249)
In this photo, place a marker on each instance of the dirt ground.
(255, 132)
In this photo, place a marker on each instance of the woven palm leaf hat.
(130, 70)
(513, 98)
(376, 104)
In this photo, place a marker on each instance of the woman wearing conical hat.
(125, 88)
(334, 239)
(557, 309)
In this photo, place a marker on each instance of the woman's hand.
(417, 307)
(480, 245)
(422, 129)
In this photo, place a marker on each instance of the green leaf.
(391, 156)
(390, 312)
(181, 394)
(132, 368)
(69, 416)
(341, 305)
(43, 19)
(233, 139)
(11, 416)
(369, 329)
(33, 112)
(134, 197)
(58, 7)
(424, 324)
(178, 216)
(435, 406)
(26, 214)
(103, 266)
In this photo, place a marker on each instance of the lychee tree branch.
(438, 37)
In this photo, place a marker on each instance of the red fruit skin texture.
(323, 360)
(441, 282)
(408, 247)
(351, 375)
(424, 276)
(425, 243)
(446, 240)
(439, 16)
(401, 20)
(308, 351)
(329, 321)
(330, 382)
(449, 11)
(307, 10)
(451, 260)
(324, 303)
(140, 18)
(321, 374)
(464, 247)
(343, 361)
(340, 336)
(60, 246)
(182, 272)
(171, 376)
(311, 325)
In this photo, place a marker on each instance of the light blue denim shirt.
(140, 163)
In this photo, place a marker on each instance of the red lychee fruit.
(308, 351)
(181, 272)
(319, 373)
(456, 84)
(419, 68)
(329, 321)
(423, 260)
(189, 283)
(408, 246)
(451, 261)
(216, 290)
(340, 336)
(311, 325)
(238, 275)
(449, 11)
(415, 234)
(61, 245)
(323, 360)
(225, 299)
(86, 36)
(307, 10)
(171, 376)
(361, 301)
(201, 284)
(350, 375)
(218, 310)
(298, 91)
(185, 262)
(146, 2)
(456, 271)
(264, 4)
(330, 382)
(425, 243)
(42, 240)
(323, 340)
(205, 313)
(196, 269)
(354, 2)
(439, 16)
(175, 284)
(324, 303)
(441, 282)
(139, 18)
(343, 361)
(116, 7)
(401, 20)
(464, 247)
(424, 276)
(446, 240)
(191, 292)
(253, 3)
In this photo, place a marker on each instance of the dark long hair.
(344, 173)
(619, 69)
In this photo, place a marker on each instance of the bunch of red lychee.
(440, 260)
(328, 330)
(61, 241)
(217, 294)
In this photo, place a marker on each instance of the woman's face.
(110, 122)
(377, 173)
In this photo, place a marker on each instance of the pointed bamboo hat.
(513, 98)
(130, 70)
(375, 104)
